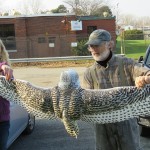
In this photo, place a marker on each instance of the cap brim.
(93, 42)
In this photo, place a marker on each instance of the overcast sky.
(134, 7)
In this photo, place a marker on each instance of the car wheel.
(144, 131)
(31, 124)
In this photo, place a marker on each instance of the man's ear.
(111, 44)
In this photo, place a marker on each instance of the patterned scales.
(69, 102)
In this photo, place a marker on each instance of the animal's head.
(69, 79)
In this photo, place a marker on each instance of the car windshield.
(147, 59)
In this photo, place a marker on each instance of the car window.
(147, 58)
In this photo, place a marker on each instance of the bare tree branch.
(31, 6)
(85, 6)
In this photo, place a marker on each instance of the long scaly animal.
(69, 102)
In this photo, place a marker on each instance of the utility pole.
(122, 42)
(76, 7)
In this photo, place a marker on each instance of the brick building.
(48, 35)
(91, 23)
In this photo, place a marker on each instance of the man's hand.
(141, 81)
(8, 72)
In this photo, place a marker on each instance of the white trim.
(40, 15)
(12, 51)
(44, 59)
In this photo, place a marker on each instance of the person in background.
(108, 71)
(5, 69)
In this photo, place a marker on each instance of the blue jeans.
(4, 133)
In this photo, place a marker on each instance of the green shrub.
(133, 35)
(81, 49)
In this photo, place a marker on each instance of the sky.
(138, 8)
(134, 7)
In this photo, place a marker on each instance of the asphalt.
(51, 135)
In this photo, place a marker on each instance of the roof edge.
(39, 15)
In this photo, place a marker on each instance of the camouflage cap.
(98, 36)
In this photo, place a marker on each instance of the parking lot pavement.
(51, 135)
(44, 77)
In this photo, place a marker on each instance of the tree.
(81, 49)
(60, 9)
(35, 6)
(45, 12)
(5, 14)
(128, 19)
(31, 6)
(84, 7)
(17, 13)
(100, 12)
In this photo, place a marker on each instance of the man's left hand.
(141, 81)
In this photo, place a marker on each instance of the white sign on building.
(51, 45)
(74, 44)
(76, 25)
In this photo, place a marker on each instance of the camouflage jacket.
(120, 71)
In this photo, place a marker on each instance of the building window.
(51, 39)
(90, 29)
(7, 34)
(41, 40)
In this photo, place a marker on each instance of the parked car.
(21, 122)
(144, 121)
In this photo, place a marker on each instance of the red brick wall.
(7, 20)
(20, 33)
(49, 26)
(106, 24)
(29, 29)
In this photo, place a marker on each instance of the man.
(109, 71)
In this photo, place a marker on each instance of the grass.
(133, 48)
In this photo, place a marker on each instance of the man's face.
(99, 52)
